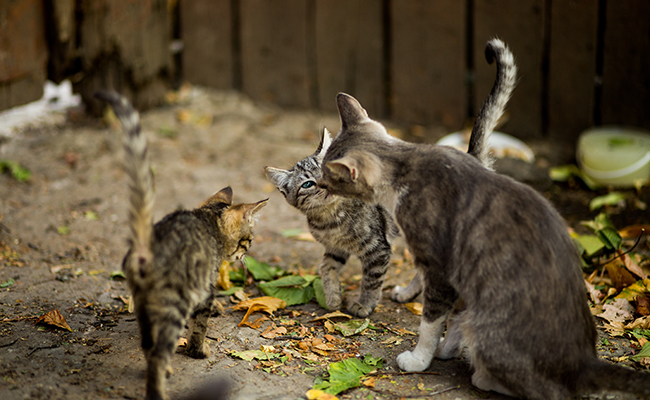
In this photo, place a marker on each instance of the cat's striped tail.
(141, 187)
(495, 104)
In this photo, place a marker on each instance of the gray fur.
(172, 266)
(494, 244)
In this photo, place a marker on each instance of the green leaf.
(262, 271)
(230, 291)
(289, 233)
(563, 173)
(63, 230)
(91, 215)
(18, 172)
(610, 238)
(117, 275)
(346, 374)
(591, 244)
(250, 355)
(352, 327)
(7, 283)
(293, 289)
(237, 275)
(641, 333)
(319, 291)
(610, 199)
(167, 132)
(645, 352)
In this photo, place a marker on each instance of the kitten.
(347, 226)
(493, 250)
(171, 266)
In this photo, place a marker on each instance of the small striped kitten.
(348, 226)
(498, 266)
(171, 267)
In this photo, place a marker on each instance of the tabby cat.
(171, 267)
(487, 247)
(347, 226)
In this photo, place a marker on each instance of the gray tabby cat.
(347, 226)
(489, 248)
(171, 267)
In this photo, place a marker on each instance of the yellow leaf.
(634, 290)
(335, 314)
(370, 382)
(224, 276)
(182, 342)
(265, 304)
(415, 308)
(54, 318)
(314, 394)
(642, 323)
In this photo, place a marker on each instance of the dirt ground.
(62, 235)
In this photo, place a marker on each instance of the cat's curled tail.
(603, 375)
(141, 187)
(495, 104)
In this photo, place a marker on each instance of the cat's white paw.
(411, 362)
(398, 294)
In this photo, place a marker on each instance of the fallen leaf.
(620, 311)
(314, 394)
(334, 314)
(265, 304)
(633, 266)
(262, 271)
(639, 323)
(95, 272)
(643, 305)
(272, 332)
(635, 290)
(634, 231)
(619, 275)
(54, 318)
(257, 323)
(415, 308)
(644, 353)
(293, 289)
(117, 275)
(58, 268)
(182, 342)
(352, 327)
(224, 276)
(370, 382)
(347, 374)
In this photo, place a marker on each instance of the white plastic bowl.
(614, 156)
(501, 145)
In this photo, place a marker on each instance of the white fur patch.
(420, 358)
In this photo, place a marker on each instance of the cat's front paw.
(360, 310)
(333, 302)
(398, 294)
(198, 351)
(409, 361)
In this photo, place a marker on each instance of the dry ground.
(63, 235)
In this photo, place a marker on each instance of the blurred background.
(582, 63)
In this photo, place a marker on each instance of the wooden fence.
(582, 62)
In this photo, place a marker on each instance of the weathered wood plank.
(206, 29)
(572, 68)
(23, 52)
(274, 51)
(521, 25)
(428, 68)
(626, 64)
(349, 53)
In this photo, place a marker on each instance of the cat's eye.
(308, 184)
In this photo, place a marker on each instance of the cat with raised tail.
(347, 226)
(498, 267)
(172, 266)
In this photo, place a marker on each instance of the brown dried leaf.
(634, 231)
(643, 323)
(272, 332)
(224, 276)
(370, 382)
(619, 275)
(633, 266)
(335, 314)
(54, 318)
(257, 323)
(643, 305)
(182, 342)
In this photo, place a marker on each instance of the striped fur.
(495, 104)
(171, 267)
(494, 248)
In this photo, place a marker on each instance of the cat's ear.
(325, 141)
(350, 110)
(222, 196)
(346, 168)
(251, 209)
(276, 176)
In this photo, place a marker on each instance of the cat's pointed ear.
(325, 141)
(222, 196)
(276, 176)
(350, 110)
(251, 209)
(346, 168)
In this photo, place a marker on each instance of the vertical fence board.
(572, 68)
(274, 51)
(521, 25)
(626, 80)
(428, 68)
(349, 53)
(206, 30)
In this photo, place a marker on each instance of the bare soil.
(63, 233)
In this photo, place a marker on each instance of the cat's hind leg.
(163, 345)
(449, 346)
(197, 347)
(329, 273)
(375, 264)
(404, 294)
